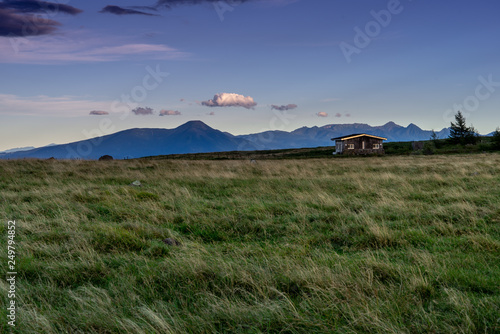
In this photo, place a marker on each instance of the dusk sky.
(86, 68)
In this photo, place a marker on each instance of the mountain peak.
(195, 122)
(411, 125)
(194, 125)
(191, 137)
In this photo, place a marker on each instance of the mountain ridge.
(191, 137)
(313, 136)
(198, 137)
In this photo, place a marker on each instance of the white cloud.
(43, 105)
(230, 100)
(80, 48)
(322, 114)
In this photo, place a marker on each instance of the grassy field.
(291, 153)
(405, 244)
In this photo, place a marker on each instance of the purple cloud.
(98, 113)
(283, 108)
(143, 111)
(33, 6)
(15, 25)
(169, 113)
(123, 11)
(16, 19)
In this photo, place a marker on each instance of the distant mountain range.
(321, 136)
(197, 137)
(19, 149)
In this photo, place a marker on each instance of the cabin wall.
(367, 148)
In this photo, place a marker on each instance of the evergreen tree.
(496, 139)
(460, 133)
(434, 136)
(472, 136)
(435, 139)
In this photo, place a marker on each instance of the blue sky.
(325, 61)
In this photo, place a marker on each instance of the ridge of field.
(429, 147)
(395, 244)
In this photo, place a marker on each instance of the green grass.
(407, 244)
(440, 146)
(292, 153)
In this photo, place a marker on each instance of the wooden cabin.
(358, 144)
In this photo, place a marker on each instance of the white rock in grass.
(136, 184)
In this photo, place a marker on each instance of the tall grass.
(361, 245)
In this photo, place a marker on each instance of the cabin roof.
(355, 135)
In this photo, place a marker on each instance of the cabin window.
(376, 146)
(350, 146)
